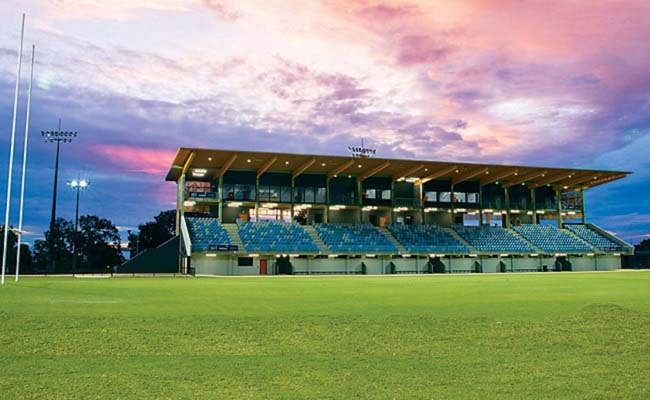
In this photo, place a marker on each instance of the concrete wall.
(227, 264)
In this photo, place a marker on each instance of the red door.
(263, 268)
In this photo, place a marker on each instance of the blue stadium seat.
(551, 239)
(354, 238)
(593, 237)
(275, 236)
(493, 239)
(426, 239)
(206, 233)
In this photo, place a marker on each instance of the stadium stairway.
(322, 247)
(531, 244)
(400, 248)
(578, 238)
(460, 239)
(625, 245)
(233, 234)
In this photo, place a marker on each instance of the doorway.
(264, 267)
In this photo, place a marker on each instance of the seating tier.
(360, 238)
(593, 237)
(206, 233)
(493, 239)
(426, 239)
(275, 236)
(551, 239)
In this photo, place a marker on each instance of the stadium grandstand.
(257, 213)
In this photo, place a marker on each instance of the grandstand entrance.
(284, 265)
(264, 266)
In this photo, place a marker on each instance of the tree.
(98, 243)
(12, 243)
(643, 246)
(153, 233)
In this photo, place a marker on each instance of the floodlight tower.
(78, 185)
(56, 137)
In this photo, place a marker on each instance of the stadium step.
(322, 247)
(578, 238)
(460, 239)
(629, 248)
(400, 248)
(537, 249)
(233, 234)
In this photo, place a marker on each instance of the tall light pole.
(56, 137)
(78, 185)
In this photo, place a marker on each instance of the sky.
(564, 83)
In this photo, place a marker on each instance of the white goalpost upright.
(11, 154)
(22, 182)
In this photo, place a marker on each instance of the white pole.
(22, 183)
(11, 154)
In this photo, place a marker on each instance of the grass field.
(508, 336)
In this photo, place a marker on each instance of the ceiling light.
(426, 169)
(323, 164)
(209, 158)
(359, 165)
(286, 162)
(248, 161)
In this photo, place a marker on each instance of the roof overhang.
(217, 161)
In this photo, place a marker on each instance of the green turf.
(555, 336)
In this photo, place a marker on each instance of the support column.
(220, 194)
(392, 201)
(360, 201)
(257, 198)
(558, 207)
(480, 208)
(582, 207)
(327, 200)
(506, 192)
(534, 203)
(421, 202)
(180, 198)
(293, 187)
(452, 198)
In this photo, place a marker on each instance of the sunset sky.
(533, 82)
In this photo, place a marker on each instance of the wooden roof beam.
(226, 166)
(497, 177)
(602, 179)
(298, 171)
(266, 166)
(188, 162)
(409, 172)
(468, 175)
(340, 169)
(551, 179)
(437, 174)
(525, 178)
(374, 171)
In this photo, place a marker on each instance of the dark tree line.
(153, 233)
(12, 245)
(97, 244)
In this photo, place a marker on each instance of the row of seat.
(427, 239)
(493, 239)
(551, 239)
(275, 236)
(593, 237)
(208, 234)
(361, 238)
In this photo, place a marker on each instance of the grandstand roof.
(216, 162)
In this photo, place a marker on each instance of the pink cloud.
(135, 159)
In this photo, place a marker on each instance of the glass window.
(460, 197)
(430, 196)
(472, 197)
(371, 194)
(285, 194)
(445, 197)
(309, 195)
(274, 193)
(385, 194)
(320, 195)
